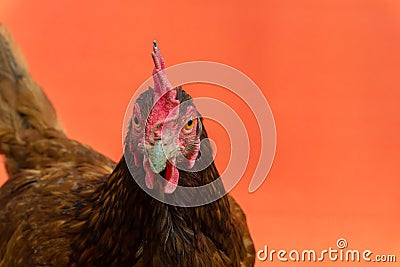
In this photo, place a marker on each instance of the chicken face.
(167, 135)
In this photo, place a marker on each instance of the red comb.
(161, 83)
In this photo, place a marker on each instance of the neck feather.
(125, 225)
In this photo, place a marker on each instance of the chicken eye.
(189, 125)
(136, 121)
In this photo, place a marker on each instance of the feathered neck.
(126, 226)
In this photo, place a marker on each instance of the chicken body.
(67, 205)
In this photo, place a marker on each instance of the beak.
(162, 157)
(160, 153)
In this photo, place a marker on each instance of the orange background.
(329, 70)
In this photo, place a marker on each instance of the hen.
(65, 204)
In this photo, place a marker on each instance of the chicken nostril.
(154, 137)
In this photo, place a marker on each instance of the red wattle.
(172, 177)
(149, 179)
